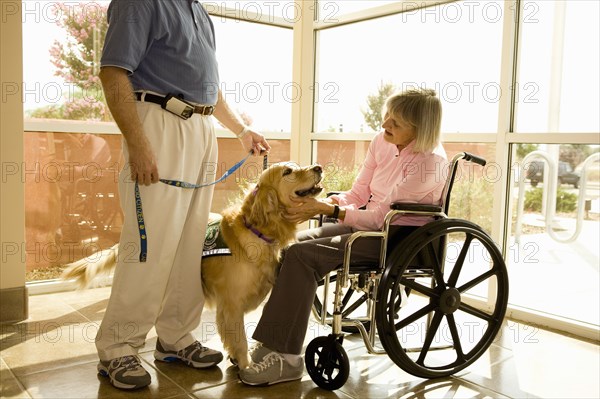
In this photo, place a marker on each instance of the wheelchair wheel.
(459, 295)
(327, 362)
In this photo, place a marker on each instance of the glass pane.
(255, 9)
(341, 161)
(329, 10)
(553, 252)
(72, 206)
(474, 184)
(255, 66)
(62, 44)
(453, 48)
(230, 153)
(558, 68)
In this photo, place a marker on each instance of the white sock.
(292, 359)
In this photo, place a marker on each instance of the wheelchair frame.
(326, 360)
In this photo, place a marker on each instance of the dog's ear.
(264, 205)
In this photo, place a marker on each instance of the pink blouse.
(387, 176)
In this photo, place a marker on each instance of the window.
(329, 10)
(62, 44)
(546, 244)
(255, 67)
(71, 179)
(558, 69)
(452, 48)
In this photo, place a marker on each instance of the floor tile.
(10, 387)
(52, 355)
(44, 317)
(192, 379)
(546, 365)
(304, 388)
(54, 347)
(82, 381)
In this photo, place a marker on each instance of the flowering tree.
(77, 61)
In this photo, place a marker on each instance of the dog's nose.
(318, 168)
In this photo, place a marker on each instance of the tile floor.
(52, 355)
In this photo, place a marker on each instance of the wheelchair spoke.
(354, 306)
(435, 264)
(431, 331)
(460, 262)
(455, 337)
(476, 312)
(347, 297)
(475, 281)
(413, 317)
(413, 285)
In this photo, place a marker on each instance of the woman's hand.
(305, 208)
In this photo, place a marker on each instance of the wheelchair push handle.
(474, 158)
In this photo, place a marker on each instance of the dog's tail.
(85, 270)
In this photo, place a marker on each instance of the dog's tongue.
(314, 190)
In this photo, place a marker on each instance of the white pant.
(166, 290)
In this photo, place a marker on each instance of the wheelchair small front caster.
(327, 362)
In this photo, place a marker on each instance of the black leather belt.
(160, 100)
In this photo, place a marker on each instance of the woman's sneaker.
(256, 352)
(125, 372)
(194, 355)
(272, 369)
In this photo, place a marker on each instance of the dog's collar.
(257, 232)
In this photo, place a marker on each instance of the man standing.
(160, 78)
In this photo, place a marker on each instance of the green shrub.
(472, 200)
(339, 180)
(565, 202)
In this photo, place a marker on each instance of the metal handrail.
(551, 193)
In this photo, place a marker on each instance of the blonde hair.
(421, 109)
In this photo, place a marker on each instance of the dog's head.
(281, 182)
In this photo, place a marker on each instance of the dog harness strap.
(176, 183)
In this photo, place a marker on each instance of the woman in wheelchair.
(405, 162)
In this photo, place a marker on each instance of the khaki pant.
(165, 291)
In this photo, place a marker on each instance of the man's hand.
(142, 162)
(255, 142)
(121, 102)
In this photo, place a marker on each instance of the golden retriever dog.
(255, 230)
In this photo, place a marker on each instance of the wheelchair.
(435, 300)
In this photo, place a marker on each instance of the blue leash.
(138, 200)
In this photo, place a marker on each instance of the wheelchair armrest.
(404, 206)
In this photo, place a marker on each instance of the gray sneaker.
(194, 355)
(125, 372)
(258, 352)
(272, 369)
